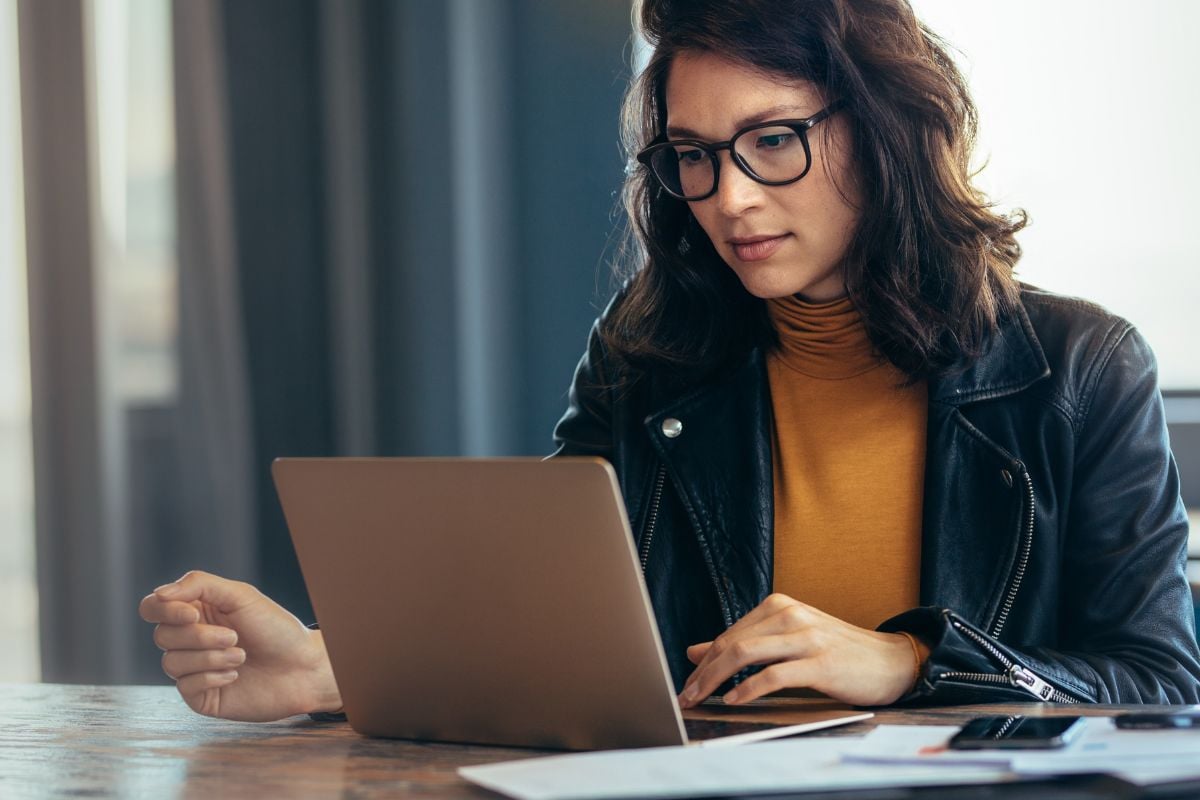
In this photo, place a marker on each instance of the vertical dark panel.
(214, 517)
(274, 76)
(412, 226)
(347, 202)
(571, 74)
(482, 88)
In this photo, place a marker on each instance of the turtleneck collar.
(822, 340)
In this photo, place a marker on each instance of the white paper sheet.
(779, 766)
(890, 755)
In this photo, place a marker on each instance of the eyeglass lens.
(774, 154)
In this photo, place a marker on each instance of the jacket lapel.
(720, 465)
(975, 499)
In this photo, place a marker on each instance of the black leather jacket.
(1054, 537)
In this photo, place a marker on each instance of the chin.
(767, 283)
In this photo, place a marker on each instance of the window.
(135, 143)
(1086, 121)
(131, 158)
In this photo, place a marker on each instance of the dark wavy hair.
(930, 267)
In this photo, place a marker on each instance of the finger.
(171, 612)
(696, 652)
(744, 653)
(790, 618)
(221, 593)
(194, 689)
(784, 675)
(194, 637)
(181, 663)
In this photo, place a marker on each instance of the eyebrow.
(761, 116)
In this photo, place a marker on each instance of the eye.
(689, 156)
(775, 140)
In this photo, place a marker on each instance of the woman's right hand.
(236, 654)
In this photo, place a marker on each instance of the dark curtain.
(476, 140)
(392, 220)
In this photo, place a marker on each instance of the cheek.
(835, 183)
(844, 222)
(827, 216)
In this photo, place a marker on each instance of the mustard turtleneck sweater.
(849, 461)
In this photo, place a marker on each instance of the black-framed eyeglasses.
(774, 153)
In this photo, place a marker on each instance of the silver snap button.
(671, 427)
(1007, 476)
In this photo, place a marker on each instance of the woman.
(859, 456)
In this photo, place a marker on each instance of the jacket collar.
(1012, 360)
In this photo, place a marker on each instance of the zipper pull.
(1024, 679)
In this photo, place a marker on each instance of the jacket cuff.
(966, 665)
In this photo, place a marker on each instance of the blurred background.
(232, 230)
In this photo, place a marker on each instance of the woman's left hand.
(804, 647)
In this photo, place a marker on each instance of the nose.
(737, 192)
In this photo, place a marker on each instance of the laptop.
(489, 601)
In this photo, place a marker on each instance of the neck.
(823, 339)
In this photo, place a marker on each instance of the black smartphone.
(1017, 733)
(1177, 719)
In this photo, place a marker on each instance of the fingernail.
(235, 658)
(731, 696)
(167, 589)
(689, 694)
(227, 639)
(227, 675)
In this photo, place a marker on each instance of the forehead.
(711, 96)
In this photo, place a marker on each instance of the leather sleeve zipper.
(1014, 674)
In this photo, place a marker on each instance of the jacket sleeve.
(1127, 625)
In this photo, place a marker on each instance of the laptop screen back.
(476, 600)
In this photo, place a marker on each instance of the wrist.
(920, 653)
(324, 697)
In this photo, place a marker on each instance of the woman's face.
(780, 240)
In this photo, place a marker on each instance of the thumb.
(221, 593)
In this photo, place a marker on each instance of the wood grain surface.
(142, 741)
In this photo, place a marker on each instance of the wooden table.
(142, 741)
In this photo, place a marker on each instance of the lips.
(756, 248)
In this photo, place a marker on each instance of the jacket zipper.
(655, 502)
(1014, 674)
(660, 480)
(1026, 547)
